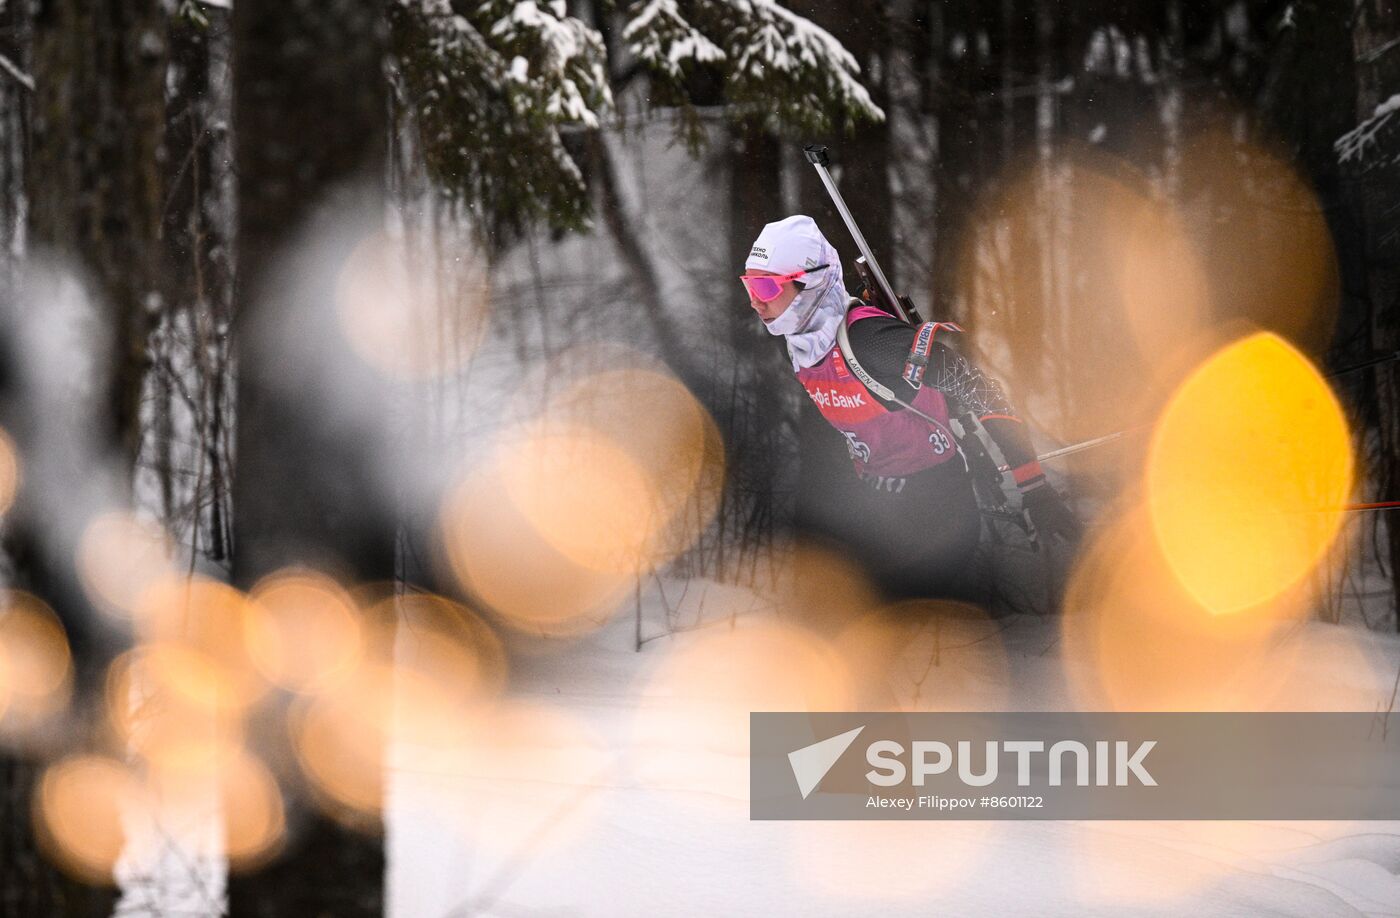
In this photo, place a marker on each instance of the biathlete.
(916, 524)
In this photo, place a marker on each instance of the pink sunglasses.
(768, 287)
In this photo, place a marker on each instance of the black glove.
(1049, 514)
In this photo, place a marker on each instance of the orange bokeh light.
(1135, 640)
(120, 556)
(254, 815)
(924, 655)
(430, 672)
(173, 734)
(585, 496)
(1249, 468)
(10, 476)
(303, 630)
(406, 315)
(503, 561)
(668, 437)
(78, 808)
(195, 630)
(341, 740)
(620, 473)
(36, 669)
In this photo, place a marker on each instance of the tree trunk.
(94, 187)
(1375, 199)
(757, 420)
(671, 337)
(310, 125)
(861, 163)
(97, 176)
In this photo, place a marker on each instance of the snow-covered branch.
(802, 52)
(1352, 147)
(492, 84)
(666, 42)
(796, 74)
(490, 93)
(557, 58)
(16, 73)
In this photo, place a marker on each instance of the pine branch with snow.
(558, 61)
(1356, 146)
(661, 37)
(19, 76)
(491, 84)
(792, 74)
(490, 92)
(793, 71)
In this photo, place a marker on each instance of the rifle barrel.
(817, 156)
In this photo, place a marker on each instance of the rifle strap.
(877, 388)
(917, 362)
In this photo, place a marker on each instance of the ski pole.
(1374, 361)
(818, 157)
(1109, 438)
(1087, 444)
(1379, 505)
(1083, 445)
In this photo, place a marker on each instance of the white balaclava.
(810, 322)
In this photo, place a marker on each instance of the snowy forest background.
(528, 193)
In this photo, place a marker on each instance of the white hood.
(809, 324)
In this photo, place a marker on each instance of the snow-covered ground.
(619, 787)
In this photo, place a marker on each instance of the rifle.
(986, 477)
(878, 290)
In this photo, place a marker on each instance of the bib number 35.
(940, 442)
